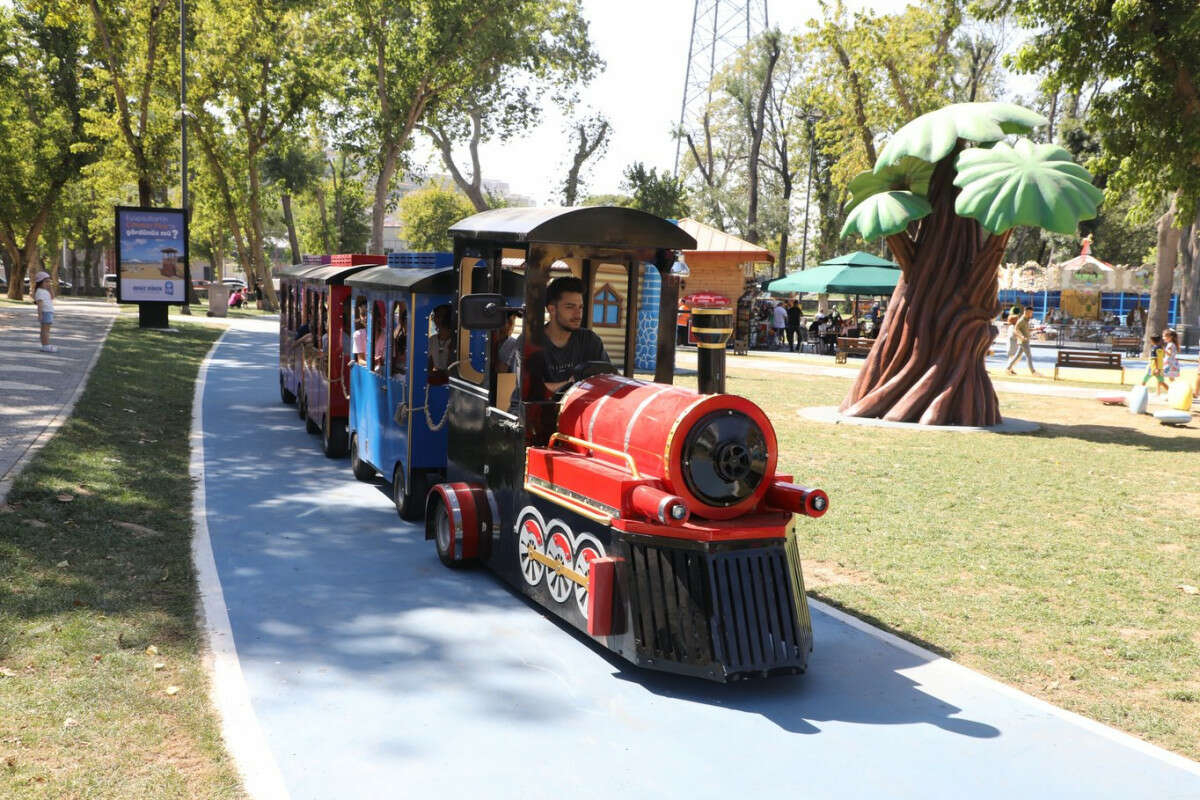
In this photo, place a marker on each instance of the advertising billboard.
(152, 255)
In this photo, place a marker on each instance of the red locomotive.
(648, 516)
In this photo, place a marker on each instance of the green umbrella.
(860, 259)
(839, 279)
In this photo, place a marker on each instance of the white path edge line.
(56, 421)
(962, 672)
(239, 724)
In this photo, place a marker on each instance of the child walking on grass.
(1154, 367)
(1170, 354)
(44, 297)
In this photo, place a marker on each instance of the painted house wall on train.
(610, 282)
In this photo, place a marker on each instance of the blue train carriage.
(397, 391)
(647, 516)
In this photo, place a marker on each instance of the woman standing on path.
(1021, 329)
(44, 298)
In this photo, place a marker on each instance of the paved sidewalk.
(38, 390)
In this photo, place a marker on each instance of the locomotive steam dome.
(716, 451)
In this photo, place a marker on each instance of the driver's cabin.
(506, 258)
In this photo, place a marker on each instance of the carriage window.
(358, 339)
(441, 345)
(606, 308)
(321, 335)
(377, 337)
(398, 331)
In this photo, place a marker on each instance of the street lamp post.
(810, 121)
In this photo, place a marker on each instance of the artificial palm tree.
(946, 192)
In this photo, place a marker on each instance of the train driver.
(567, 343)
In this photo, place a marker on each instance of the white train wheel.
(558, 547)
(586, 549)
(530, 536)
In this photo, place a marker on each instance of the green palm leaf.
(909, 173)
(885, 213)
(1028, 184)
(930, 137)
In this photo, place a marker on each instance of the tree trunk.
(387, 171)
(1189, 298)
(319, 193)
(927, 364)
(286, 200)
(262, 268)
(1164, 273)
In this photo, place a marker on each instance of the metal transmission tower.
(719, 29)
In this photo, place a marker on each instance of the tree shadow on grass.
(1122, 436)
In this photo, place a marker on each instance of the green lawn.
(1052, 561)
(102, 687)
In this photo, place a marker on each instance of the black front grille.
(755, 626)
(671, 603)
(736, 608)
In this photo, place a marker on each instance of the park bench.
(1131, 345)
(1089, 359)
(852, 345)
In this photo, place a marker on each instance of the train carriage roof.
(432, 281)
(325, 273)
(602, 226)
(296, 271)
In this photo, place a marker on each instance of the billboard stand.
(152, 315)
(152, 261)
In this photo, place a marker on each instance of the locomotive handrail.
(628, 459)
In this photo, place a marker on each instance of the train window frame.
(392, 326)
(600, 303)
(373, 312)
(321, 335)
(359, 301)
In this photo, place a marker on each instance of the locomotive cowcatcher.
(648, 516)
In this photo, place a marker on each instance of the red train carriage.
(648, 516)
(313, 367)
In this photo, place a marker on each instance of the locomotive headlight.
(724, 457)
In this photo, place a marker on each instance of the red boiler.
(716, 451)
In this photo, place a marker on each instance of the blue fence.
(1119, 303)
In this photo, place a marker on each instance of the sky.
(645, 45)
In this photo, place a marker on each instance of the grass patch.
(98, 595)
(1052, 561)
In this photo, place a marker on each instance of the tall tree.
(658, 194)
(1147, 116)
(288, 75)
(407, 58)
(589, 136)
(427, 215)
(134, 44)
(292, 165)
(751, 89)
(43, 144)
(947, 209)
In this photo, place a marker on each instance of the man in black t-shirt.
(567, 343)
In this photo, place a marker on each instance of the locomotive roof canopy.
(602, 226)
(439, 280)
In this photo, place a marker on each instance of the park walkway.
(38, 390)
(353, 664)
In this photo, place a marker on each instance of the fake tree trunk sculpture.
(946, 192)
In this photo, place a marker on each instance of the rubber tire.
(441, 516)
(409, 500)
(333, 437)
(287, 397)
(309, 425)
(301, 403)
(361, 469)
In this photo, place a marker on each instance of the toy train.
(647, 516)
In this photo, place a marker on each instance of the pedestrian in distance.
(43, 295)
(1012, 334)
(1154, 367)
(793, 326)
(1170, 354)
(778, 325)
(1021, 328)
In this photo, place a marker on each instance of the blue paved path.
(374, 672)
